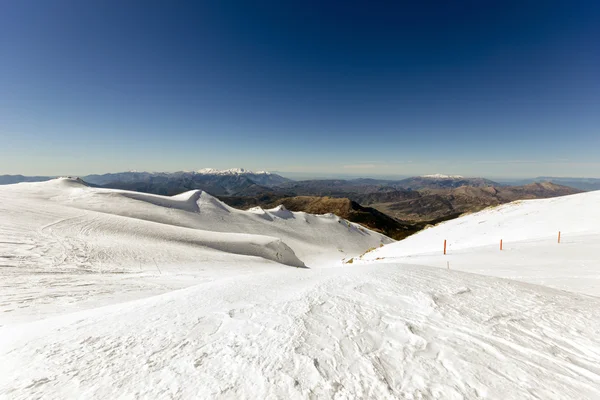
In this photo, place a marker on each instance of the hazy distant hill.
(443, 182)
(324, 187)
(11, 179)
(586, 184)
(335, 187)
(434, 204)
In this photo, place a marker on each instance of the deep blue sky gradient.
(494, 88)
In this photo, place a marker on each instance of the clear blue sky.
(486, 88)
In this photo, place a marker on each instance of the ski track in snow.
(112, 294)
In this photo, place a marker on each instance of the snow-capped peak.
(207, 171)
(230, 171)
(442, 176)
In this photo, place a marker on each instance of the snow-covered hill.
(64, 228)
(516, 221)
(116, 294)
(529, 233)
(80, 213)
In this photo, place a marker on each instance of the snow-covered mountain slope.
(115, 294)
(195, 219)
(60, 239)
(529, 233)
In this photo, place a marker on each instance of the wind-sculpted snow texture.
(113, 294)
(361, 332)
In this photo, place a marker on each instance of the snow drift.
(109, 227)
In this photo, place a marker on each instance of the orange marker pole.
(558, 236)
(444, 246)
(500, 244)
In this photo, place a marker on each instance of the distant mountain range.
(443, 182)
(325, 186)
(219, 183)
(334, 187)
(434, 204)
(394, 207)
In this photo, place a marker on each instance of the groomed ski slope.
(92, 315)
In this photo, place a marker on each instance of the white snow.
(529, 233)
(230, 171)
(67, 228)
(442, 176)
(115, 294)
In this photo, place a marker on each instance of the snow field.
(364, 332)
(115, 294)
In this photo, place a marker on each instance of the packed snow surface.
(115, 294)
